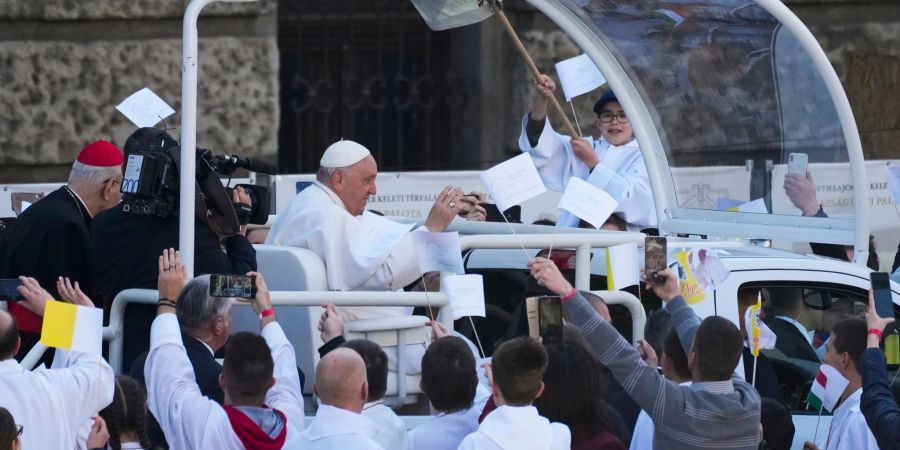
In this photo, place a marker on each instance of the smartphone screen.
(232, 286)
(8, 291)
(797, 163)
(654, 257)
(550, 321)
(881, 287)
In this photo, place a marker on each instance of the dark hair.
(778, 428)
(574, 388)
(248, 368)
(607, 97)
(717, 347)
(127, 413)
(518, 366)
(675, 354)
(656, 329)
(449, 379)
(873, 262)
(784, 300)
(849, 335)
(8, 430)
(8, 339)
(376, 366)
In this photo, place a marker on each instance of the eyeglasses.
(19, 430)
(608, 117)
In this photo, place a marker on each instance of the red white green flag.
(827, 388)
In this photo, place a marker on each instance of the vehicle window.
(802, 317)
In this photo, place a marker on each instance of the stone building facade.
(65, 64)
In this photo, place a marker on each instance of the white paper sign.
(466, 294)
(145, 109)
(25, 205)
(757, 206)
(513, 181)
(438, 252)
(587, 202)
(622, 266)
(132, 173)
(376, 235)
(893, 178)
(578, 76)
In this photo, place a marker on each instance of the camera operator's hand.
(240, 196)
(172, 275)
(262, 301)
(444, 209)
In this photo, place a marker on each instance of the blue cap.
(608, 96)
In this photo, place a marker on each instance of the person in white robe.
(342, 390)
(76, 387)
(263, 402)
(848, 430)
(451, 383)
(612, 163)
(518, 367)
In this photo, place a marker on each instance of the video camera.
(151, 180)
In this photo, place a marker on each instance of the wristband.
(569, 295)
(876, 332)
(266, 313)
(166, 302)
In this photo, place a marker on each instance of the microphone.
(250, 164)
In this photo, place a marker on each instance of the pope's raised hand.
(444, 209)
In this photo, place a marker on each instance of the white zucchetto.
(342, 154)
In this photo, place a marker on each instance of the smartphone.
(881, 287)
(8, 291)
(655, 253)
(797, 163)
(240, 286)
(550, 322)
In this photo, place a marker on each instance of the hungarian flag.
(827, 388)
(446, 14)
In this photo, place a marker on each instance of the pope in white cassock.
(361, 251)
(612, 163)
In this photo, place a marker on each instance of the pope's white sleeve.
(402, 264)
(286, 395)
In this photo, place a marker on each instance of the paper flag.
(587, 202)
(622, 266)
(466, 294)
(757, 206)
(513, 181)
(446, 14)
(760, 335)
(707, 268)
(145, 109)
(376, 235)
(691, 290)
(827, 388)
(578, 76)
(72, 327)
(438, 252)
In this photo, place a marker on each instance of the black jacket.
(791, 341)
(877, 403)
(127, 249)
(766, 382)
(49, 239)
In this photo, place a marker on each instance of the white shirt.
(391, 430)
(318, 220)
(621, 173)
(53, 404)
(337, 429)
(192, 421)
(446, 431)
(849, 430)
(642, 437)
(517, 428)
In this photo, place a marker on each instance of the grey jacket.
(724, 414)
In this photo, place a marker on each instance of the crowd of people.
(679, 388)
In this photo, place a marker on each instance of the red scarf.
(251, 435)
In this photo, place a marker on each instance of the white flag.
(578, 76)
(622, 266)
(893, 178)
(466, 294)
(445, 14)
(587, 202)
(438, 252)
(145, 109)
(513, 181)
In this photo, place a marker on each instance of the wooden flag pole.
(535, 73)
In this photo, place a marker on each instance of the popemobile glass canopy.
(713, 87)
